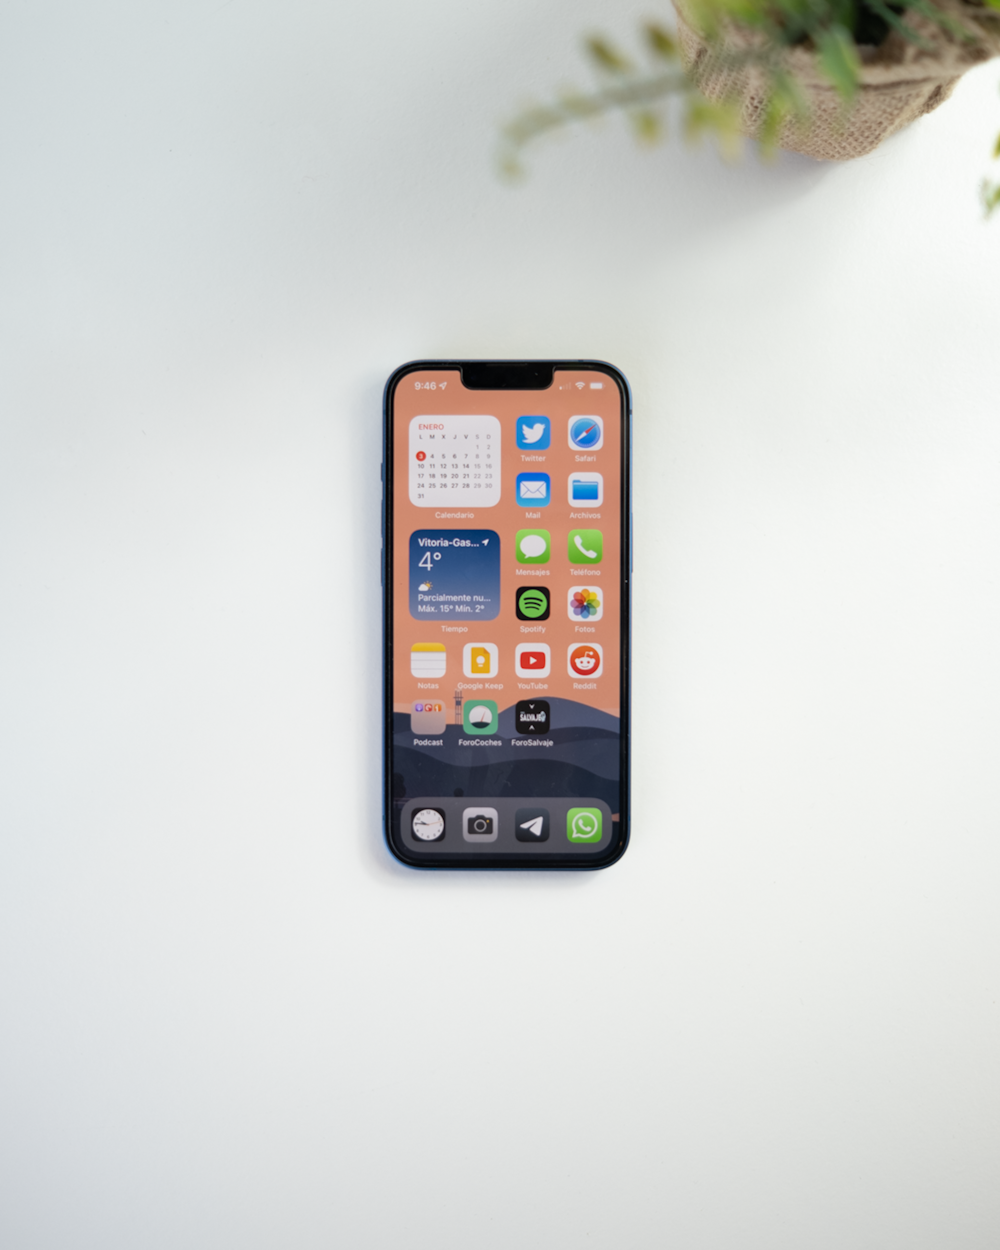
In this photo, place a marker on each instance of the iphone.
(506, 577)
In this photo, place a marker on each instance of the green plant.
(840, 34)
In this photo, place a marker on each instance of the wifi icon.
(532, 603)
(580, 385)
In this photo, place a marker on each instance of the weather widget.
(454, 575)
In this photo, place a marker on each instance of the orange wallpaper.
(563, 400)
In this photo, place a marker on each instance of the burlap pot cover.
(900, 81)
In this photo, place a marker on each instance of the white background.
(229, 1018)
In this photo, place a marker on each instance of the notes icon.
(428, 660)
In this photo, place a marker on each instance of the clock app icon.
(427, 824)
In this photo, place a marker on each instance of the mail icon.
(533, 490)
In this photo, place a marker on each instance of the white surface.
(230, 1019)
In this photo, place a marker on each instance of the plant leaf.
(663, 44)
(838, 58)
(646, 125)
(990, 192)
(607, 57)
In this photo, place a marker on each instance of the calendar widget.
(455, 461)
(454, 575)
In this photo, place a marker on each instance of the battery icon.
(597, 386)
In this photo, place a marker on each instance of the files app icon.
(586, 489)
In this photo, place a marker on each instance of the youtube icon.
(532, 659)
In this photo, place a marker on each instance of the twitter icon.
(533, 433)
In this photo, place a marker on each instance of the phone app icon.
(532, 716)
(479, 659)
(428, 660)
(585, 659)
(586, 546)
(532, 659)
(531, 824)
(427, 824)
(586, 433)
(533, 490)
(533, 546)
(479, 824)
(428, 718)
(480, 716)
(533, 433)
(585, 604)
(586, 490)
(532, 603)
(584, 824)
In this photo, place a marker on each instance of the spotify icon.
(532, 603)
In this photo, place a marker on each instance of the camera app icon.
(479, 824)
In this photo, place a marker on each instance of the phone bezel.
(559, 861)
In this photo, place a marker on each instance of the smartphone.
(506, 577)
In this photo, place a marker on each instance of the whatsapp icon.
(584, 824)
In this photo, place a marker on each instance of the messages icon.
(533, 546)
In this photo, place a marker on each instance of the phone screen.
(506, 628)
